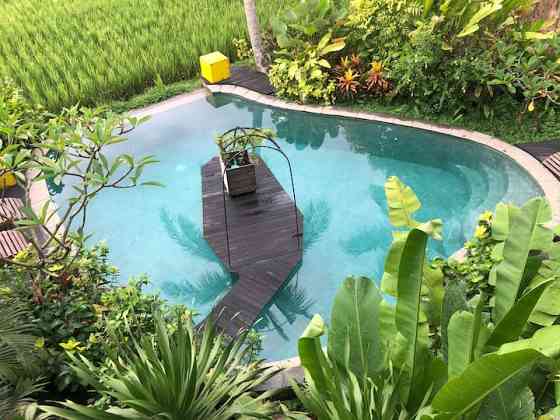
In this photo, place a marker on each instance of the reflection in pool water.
(340, 167)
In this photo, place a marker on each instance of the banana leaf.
(510, 272)
(355, 317)
(480, 379)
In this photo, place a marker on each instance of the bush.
(21, 122)
(71, 314)
(455, 57)
(379, 28)
(305, 76)
(176, 375)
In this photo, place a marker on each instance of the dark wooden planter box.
(239, 180)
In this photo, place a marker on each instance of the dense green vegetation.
(460, 337)
(92, 52)
(471, 339)
(481, 65)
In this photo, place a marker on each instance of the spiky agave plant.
(175, 376)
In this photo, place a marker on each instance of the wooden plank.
(10, 210)
(264, 245)
(11, 242)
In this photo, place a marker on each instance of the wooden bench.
(552, 163)
(11, 241)
(10, 211)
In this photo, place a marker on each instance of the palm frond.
(187, 235)
(17, 379)
(317, 220)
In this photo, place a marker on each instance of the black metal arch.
(276, 147)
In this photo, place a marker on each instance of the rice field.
(93, 51)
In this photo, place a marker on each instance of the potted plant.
(238, 158)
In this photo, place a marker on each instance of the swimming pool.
(340, 167)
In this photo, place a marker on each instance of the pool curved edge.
(291, 368)
(546, 181)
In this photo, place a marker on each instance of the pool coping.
(291, 368)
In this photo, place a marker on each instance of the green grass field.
(95, 51)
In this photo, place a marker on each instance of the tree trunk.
(548, 10)
(254, 34)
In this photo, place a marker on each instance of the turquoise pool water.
(340, 166)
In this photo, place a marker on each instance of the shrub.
(21, 123)
(304, 75)
(242, 49)
(72, 314)
(374, 29)
(58, 279)
(176, 375)
(454, 57)
(18, 368)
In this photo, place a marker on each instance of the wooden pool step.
(264, 246)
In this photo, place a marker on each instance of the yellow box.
(214, 67)
(7, 180)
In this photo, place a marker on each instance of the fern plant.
(17, 377)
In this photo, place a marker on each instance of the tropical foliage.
(439, 352)
(303, 73)
(174, 376)
(19, 375)
(456, 56)
(62, 284)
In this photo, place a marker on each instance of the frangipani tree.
(70, 149)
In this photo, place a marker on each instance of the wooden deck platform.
(248, 78)
(548, 153)
(265, 249)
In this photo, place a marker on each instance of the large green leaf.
(513, 323)
(510, 271)
(487, 9)
(433, 277)
(548, 307)
(433, 282)
(355, 320)
(389, 280)
(464, 333)
(482, 377)
(402, 202)
(453, 301)
(511, 401)
(394, 343)
(310, 352)
(460, 350)
(500, 222)
(409, 291)
(546, 341)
